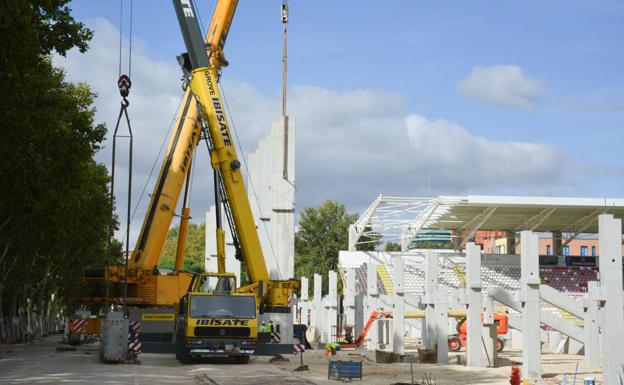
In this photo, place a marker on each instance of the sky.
(401, 98)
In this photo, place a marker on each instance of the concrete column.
(489, 335)
(325, 325)
(332, 308)
(441, 325)
(610, 265)
(473, 297)
(317, 308)
(531, 332)
(398, 315)
(358, 322)
(430, 298)
(372, 302)
(304, 304)
(349, 297)
(591, 325)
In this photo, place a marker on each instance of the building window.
(583, 251)
(593, 251)
(566, 250)
(548, 250)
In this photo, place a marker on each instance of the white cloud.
(504, 85)
(351, 145)
(467, 159)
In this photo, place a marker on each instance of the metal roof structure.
(400, 219)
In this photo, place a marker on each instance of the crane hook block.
(124, 85)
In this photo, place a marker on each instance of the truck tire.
(454, 343)
(184, 357)
(243, 360)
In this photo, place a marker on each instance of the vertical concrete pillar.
(531, 332)
(473, 297)
(489, 335)
(332, 309)
(398, 304)
(304, 303)
(317, 308)
(610, 266)
(430, 298)
(591, 325)
(441, 325)
(349, 297)
(358, 322)
(325, 326)
(372, 303)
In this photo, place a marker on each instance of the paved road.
(41, 364)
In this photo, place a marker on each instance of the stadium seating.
(570, 279)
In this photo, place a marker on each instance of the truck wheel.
(243, 360)
(500, 344)
(184, 357)
(454, 343)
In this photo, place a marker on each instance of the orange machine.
(457, 341)
(373, 317)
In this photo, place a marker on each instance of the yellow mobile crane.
(154, 293)
(219, 322)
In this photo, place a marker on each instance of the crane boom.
(180, 151)
(203, 77)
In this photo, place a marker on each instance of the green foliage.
(369, 240)
(54, 207)
(392, 246)
(323, 232)
(194, 249)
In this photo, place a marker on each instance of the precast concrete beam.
(561, 300)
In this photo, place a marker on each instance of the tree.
(392, 246)
(54, 207)
(323, 232)
(369, 240)
(194, 249)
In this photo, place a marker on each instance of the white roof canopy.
(400, 219)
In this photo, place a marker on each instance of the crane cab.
(216, 321)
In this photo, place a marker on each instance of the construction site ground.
(41, 363)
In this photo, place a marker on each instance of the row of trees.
(54, 207)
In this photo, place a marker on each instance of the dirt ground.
(40, 363)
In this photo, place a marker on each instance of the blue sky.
(410, 57)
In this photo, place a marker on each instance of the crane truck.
(156, 295)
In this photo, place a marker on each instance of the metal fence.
(22, 329)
